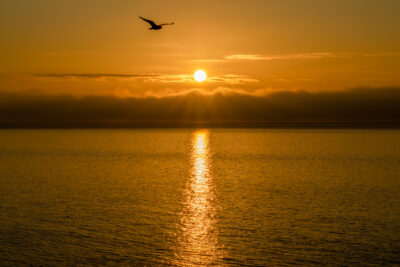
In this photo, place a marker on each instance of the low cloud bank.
(369, 105)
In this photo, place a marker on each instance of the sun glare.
(200, 76)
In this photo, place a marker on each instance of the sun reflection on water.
(198, 244)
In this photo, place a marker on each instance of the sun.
(200, 76)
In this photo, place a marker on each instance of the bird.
(155, 26)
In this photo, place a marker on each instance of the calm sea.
(200, 197)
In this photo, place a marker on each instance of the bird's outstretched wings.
(149, 21)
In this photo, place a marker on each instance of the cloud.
(188, 78)
(232, 79)
(93, 75)
(293, 56)
(170, 78)
(151, 78)
(256, 57)
(219, 106)
(282, 56)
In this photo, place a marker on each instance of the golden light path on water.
(198, 244)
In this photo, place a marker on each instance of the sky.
(266, 60)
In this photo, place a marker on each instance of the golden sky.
(254, 47)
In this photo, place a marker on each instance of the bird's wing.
(149, 21)
(167, 24)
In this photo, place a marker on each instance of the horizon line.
(177, 125)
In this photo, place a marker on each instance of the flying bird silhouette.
(155, 26)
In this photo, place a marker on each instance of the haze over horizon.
(267, 61)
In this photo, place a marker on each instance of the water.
(200, 197)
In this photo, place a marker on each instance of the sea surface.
(187, 197)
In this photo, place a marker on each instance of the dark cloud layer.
(371, 105)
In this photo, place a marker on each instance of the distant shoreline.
(261, 125)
